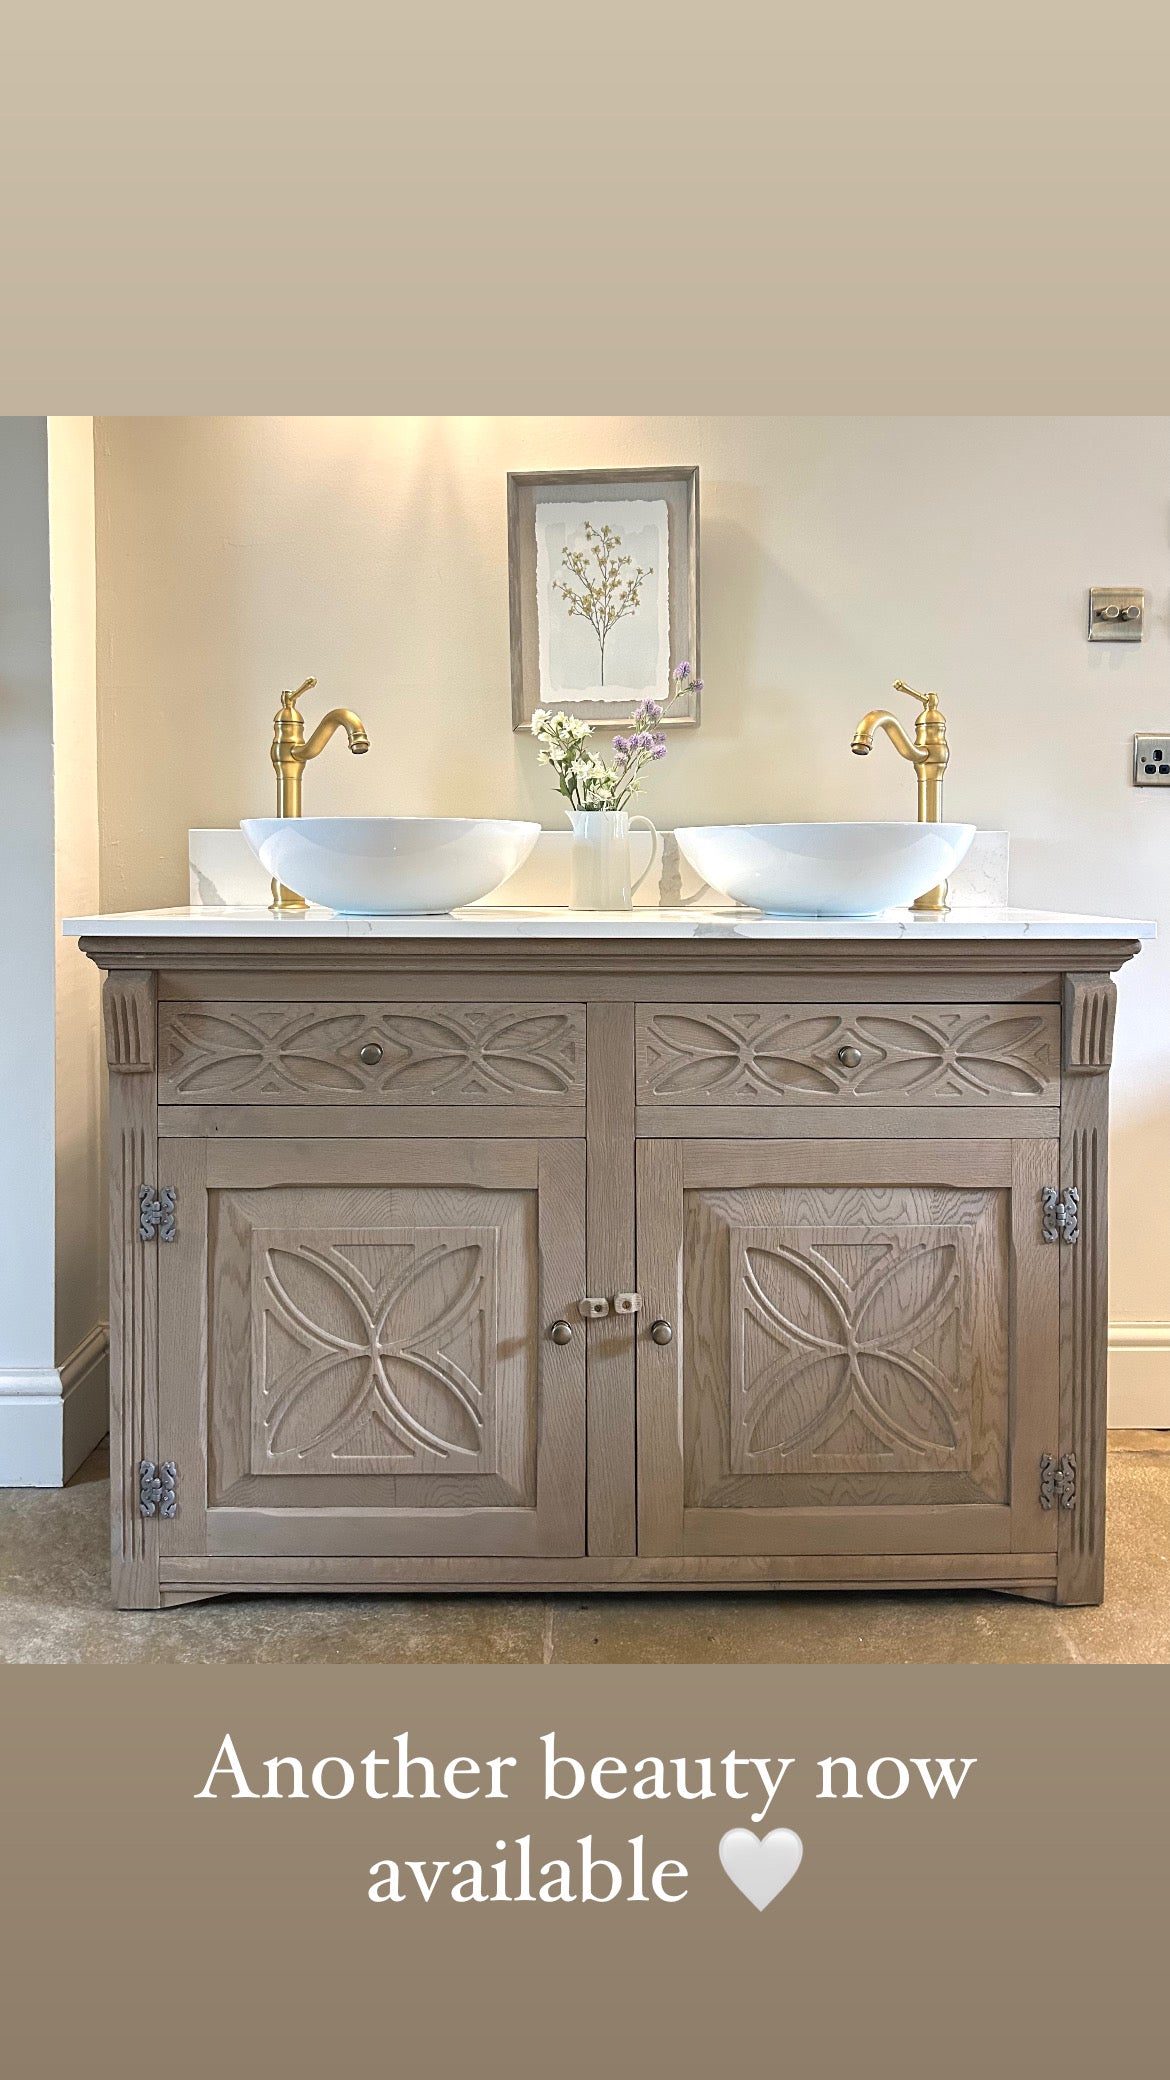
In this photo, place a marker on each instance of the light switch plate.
(1151, 761)
(1117, 613)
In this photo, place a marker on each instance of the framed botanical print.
(603, 580)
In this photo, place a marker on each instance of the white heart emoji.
(761, 1869)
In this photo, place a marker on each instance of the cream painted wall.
(80, 1080)
(237, 556)
(26, 934)
(53, 1340)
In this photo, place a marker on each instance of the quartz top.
(245, 923)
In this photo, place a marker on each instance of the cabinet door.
(354, 1356)
(866, 1347)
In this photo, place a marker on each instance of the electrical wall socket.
(1151, 761)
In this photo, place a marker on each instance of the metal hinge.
(1058, 1477)
(156, 1213)
(1060, 1214)
(157, 1487)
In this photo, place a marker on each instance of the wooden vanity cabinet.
(521, 1264)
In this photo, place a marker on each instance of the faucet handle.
(929, 700)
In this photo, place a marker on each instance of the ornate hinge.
(1058, 1477)
(156, 1213)
(1060, 1214)
(157, 1488)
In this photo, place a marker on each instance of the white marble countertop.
(239, 922)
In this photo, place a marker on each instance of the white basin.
(825, 869)
(390, 866)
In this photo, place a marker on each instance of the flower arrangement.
(587, 781)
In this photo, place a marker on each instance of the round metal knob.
(661, 1332)
(849, 1057)
(370, 1054)
(561, 1332)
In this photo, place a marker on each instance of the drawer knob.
(561, 1332)
(661, 1332)
(370, 1054)
(849, 1057)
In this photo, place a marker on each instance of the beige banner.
(665, 208)
(1015, 1923)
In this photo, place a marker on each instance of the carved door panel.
(866, 1347)
(368, 1321)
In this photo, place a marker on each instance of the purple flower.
(651, 711)
(658, 752)
(682, 671)
(622, 746)
(697, 686)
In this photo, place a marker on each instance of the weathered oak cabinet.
(723, 1261)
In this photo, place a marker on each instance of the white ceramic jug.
(599, 867)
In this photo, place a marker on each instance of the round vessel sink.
(390, 866)
(825, 869)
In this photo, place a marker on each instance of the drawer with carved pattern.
(876, 1054)
(387, 1054)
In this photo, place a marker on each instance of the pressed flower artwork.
(602, 600)
(603, 592)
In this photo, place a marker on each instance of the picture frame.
(597, 623)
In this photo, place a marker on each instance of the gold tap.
(928, 754)
(291, 752)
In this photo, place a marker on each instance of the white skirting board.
(51, 1418)
(1139, 1376)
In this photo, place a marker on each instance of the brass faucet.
(291, 752)
(928, 754)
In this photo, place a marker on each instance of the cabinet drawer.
(876, 1054)
(417, 1054)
